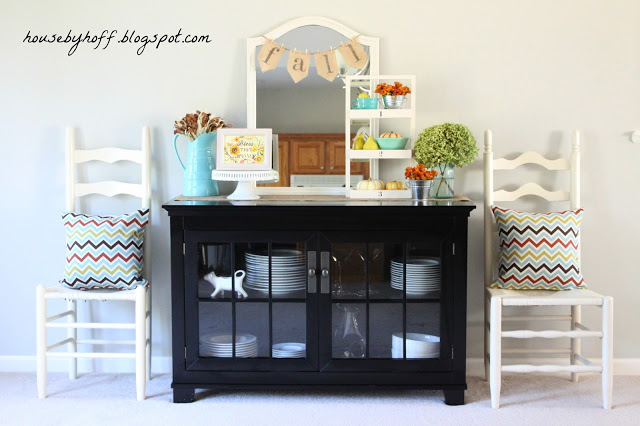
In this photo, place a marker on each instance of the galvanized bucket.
(419, 188)
(393, 101)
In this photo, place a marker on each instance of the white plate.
(265, 280)
(229, 354)
(289, 347)
(276, 286)
(227, 339)
(416, 277)
(417, 260)
(414, 287)
(416, 272)
(416, 282)
(228, 351)
(276, 292)
(415, 268)
(421, 275)
(276, 262)
(276, 280)
(229, 345)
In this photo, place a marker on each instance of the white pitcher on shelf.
(224, 283)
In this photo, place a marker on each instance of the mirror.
(308, 116)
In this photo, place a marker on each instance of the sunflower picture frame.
(244, 149)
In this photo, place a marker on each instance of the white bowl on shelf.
(417, 344)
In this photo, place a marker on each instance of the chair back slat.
(531, 157)
(109, 189)
(530, 189)
(108, 155)
(491, 196)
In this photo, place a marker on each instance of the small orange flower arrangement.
(394, 90)
(419, 172)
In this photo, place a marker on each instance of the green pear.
(358, 143)
(371, 144)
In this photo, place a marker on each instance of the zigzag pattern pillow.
(538, 251)
(105, 252)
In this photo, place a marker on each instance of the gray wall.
(530, 70)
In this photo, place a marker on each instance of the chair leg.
(576, 317)
(148, 332)
(141, 335)
(41, 341)
(72, 333)
(607, 352)
(495, 349)
(486, 325)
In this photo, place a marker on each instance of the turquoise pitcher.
(200, 163)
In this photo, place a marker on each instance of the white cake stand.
(244, 190)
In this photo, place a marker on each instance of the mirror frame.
(252, 43)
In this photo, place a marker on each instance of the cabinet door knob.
(312, 272)
(331, 167)
(325, 273)
(321, 167)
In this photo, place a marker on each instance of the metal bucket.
(419, 188)
(393, 101)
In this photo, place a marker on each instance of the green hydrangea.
(446, 143)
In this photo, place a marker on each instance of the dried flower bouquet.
(194, 125)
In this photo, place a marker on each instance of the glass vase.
(443, 183)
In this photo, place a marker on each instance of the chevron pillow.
(104, 252)
(538, 251)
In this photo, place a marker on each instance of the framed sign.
(244, 149)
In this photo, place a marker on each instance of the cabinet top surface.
(182, 202)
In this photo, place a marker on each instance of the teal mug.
(365, 103)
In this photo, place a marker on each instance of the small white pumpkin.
(391, 135)
(370, 184)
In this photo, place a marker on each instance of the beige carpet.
(97, 399)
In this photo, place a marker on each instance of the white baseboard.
(621, 366)
(162, 365)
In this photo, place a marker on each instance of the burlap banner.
(298, 65)
(326, 64)
(270, 55)
(353, 54)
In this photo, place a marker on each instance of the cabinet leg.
(454, 397)
(183, 395)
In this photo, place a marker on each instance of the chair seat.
(62, 292)
(546, 297)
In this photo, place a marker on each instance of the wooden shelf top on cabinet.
(368, 154)
(381, 113)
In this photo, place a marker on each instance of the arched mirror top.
(372, 43)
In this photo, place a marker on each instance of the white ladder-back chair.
(497, 298)
(141, 296)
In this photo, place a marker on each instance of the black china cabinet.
(304, 294)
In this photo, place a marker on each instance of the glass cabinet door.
(250, 302)
(385, 302)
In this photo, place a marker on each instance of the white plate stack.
(221, 345)
(289, 350)
(418, 345)
(423, 275)
(288, 271)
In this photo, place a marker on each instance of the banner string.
(286, 49)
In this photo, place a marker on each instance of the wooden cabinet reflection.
(313, 154)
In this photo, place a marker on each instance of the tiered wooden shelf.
(374, 116)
